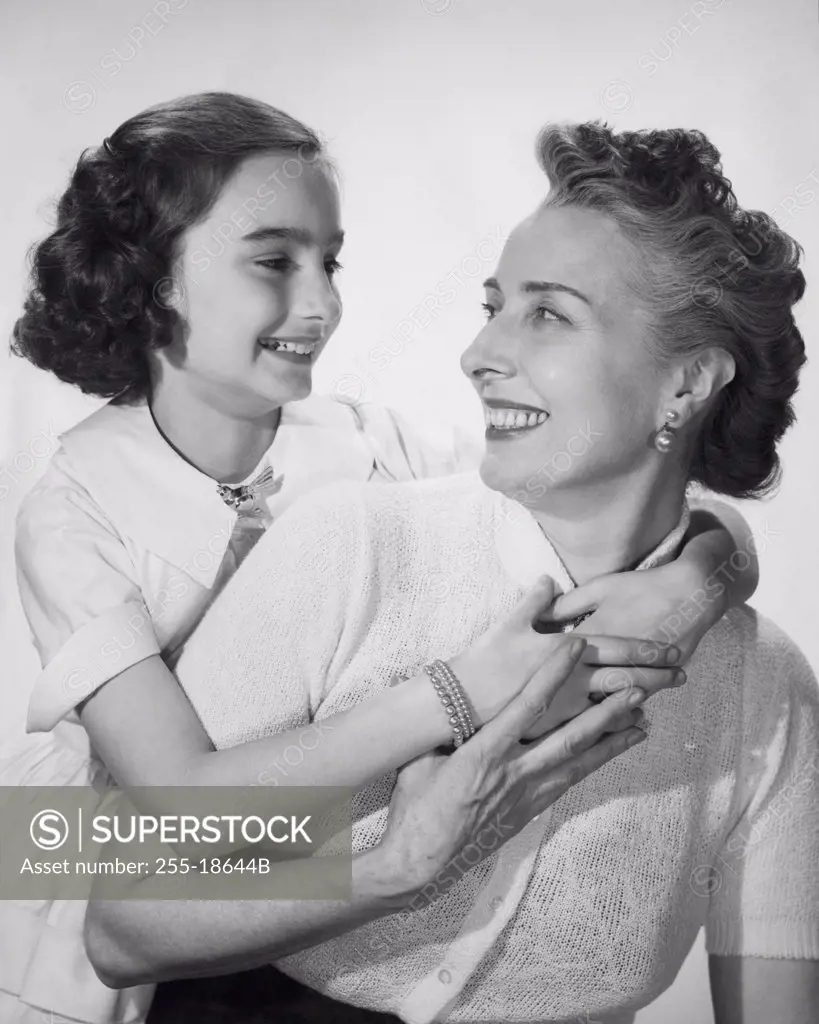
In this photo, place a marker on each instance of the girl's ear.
(169, 292)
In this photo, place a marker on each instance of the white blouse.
(123, 544)
(589, 913)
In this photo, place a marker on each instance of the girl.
(191, 279)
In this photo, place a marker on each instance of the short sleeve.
(765, 881)
(264, 654)
(404, 452)
(78, 590)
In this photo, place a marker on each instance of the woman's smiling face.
(564, 365)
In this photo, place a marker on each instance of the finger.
(535, 603)
(549, 788)
(630, 718)
(605, 682)
(620, 650)
(579, 734)
(506, 729)
(577, 601)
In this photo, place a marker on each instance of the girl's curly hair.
(711, 274)
(93, 313)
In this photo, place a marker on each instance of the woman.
(594, 316)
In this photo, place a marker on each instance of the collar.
(526, 552)
(152, 495)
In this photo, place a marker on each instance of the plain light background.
(430, 108)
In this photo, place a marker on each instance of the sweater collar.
(526, 553)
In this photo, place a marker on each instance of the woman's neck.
(612, 526)
(217, 442)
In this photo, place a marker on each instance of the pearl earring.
(664, 439)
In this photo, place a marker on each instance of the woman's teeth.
(299, 347)
(513, 419)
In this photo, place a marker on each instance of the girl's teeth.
(511, 419)
(289, 346)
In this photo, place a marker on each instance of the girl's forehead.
(274, 189)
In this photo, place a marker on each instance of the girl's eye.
(488, 311)
(332, 266)
(280, 263)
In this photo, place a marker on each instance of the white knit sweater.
(591, 910)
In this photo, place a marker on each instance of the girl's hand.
(672, 604)
(492, 786)
(511, 652)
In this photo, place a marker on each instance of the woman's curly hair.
(711, 275)
(93, 311)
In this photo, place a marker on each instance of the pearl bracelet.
(453, 698)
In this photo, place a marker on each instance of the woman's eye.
(280, 263)
(543, 313)
(488, 311)
(332, 266)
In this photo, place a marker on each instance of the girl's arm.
(721, 549)
(677, 603)
(147, 733)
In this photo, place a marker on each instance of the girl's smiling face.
(255, 286)
(564, 365)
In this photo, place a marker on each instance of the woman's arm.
(440, 805)
(753, 990)
(139, 941)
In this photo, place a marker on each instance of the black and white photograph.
(409, 431)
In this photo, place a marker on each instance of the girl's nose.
(315, 298)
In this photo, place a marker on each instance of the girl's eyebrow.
(300, 235)
(530, 287)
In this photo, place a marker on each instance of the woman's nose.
(488, 355)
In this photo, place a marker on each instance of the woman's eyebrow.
(536, 287)
(300, 235)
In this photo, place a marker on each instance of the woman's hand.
(492, 786)
(511, 652)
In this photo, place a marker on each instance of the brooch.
(246, 499)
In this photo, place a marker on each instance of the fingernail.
(636, 697)
(679, 677)
(576, 648)
(635, 737)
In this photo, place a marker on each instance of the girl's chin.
(294, 389)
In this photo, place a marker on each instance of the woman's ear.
(705, 376)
